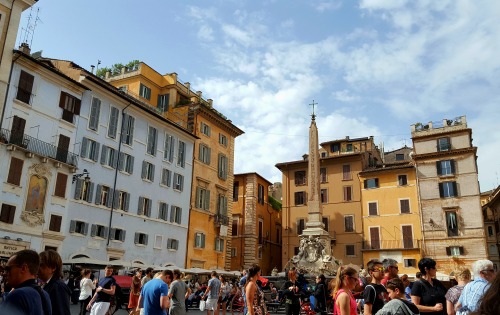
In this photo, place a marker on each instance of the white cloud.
(322, 6)
(205, 33)
(382, 4)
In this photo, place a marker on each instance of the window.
(400, 157)
(443, 144)
(300, 198)
(158, 241)
(174, 244)
(103, 195)
(402, 180)
(148, 171)
(222, 205)
(407, 231)
(126, 163)
(89, 149)
(15, 171)
(7, 213)
(55, 223)
(95, 110)
(448, 189)
(371, 183)
(145, 92)
(446, 167)
(163, 211)
(61, 182)
(347, 193)
(222, 166)
(233, 252)
(98, 230)
(454, 250)
(219, 244)
(175, 214)
(234, 228)
(166, 177)
(178, 182)
(326, 223)
(168, 154)
(350, 250)
(300, 178)
(335, 147)
(84, 190)
(490, 231)
(236, 187)
(410, 263)
(123, 88)
(118, 234)
(199, 240)
(346, 172)
(278, 234)
(349, 147)
(260, 232)
(203, 198)
(222, 139)
(204, 154)
(163, 102)
(374, 238)
(181, 154)
(152, 140)
(452, 223)
(322, 175)
(17, 131)
(109, 157)
(128, 129)
(324, 154)
(300, 226)
(144, 206)
(70, 106)
(205, 129)
(372, 208)
(78, 227)
(404, 205)
(122, 200)
(25, 87)
(260, 194)
(140, 238)
(349, 223)
(324, 196)
(113, 122)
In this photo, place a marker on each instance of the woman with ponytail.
(255, 297)
(345, 281)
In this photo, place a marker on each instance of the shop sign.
(7, 250)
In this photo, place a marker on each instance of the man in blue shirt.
(474, 290)
(28, 298)
(154, 294)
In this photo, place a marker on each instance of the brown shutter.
(62, 99)
(375, 238)
(15, 171)
(61, 181)
(7, 213)
(78, 105)
(55, 223)
(407, 236)
(405, 205)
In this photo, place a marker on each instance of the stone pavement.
(192, 311)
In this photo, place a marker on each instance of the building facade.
(446, 168)
(256, 225)
(490, 202)
(209, 236)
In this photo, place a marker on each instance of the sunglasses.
(488, 270)
(381, 269)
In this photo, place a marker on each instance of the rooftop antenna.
(98, 63)
(313, 115)
(29, 31)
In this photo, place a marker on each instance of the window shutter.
(203, 240)
(124, 130)
(109, 200)
(461, 249)
(152, 172)
(146, 237)
(120, 161)
(78, 188)
(72, 226)
(455, 190)
(94, 113)
(15, 171)
(113, 234)
(98, 195)
(178, 218)
(104, 154)
(441, 192)
(172, 213)
(127, 201)
(61, 181)
(116, 199)
(78, 106)
(376, 182)
(131, 164)
(93, 230)
(113, 122)
(62, 99)
(122, 235)
(452, 164)
(131, 129)
(207, 200)
(365, 183)
(106, 232)
(96, 152)
(26, 84)
(140, 206)
(83, 151)
(90, 192)
(136, 238)
(448, 251)
(149, 208)
(144, 169)
(438, 167)
(55, 223)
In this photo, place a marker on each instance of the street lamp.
(86, 178)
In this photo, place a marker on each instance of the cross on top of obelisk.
(313, 104)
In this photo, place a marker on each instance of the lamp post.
(85, 173)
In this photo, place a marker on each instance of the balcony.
(220, 219)
(38, 147)
(391, 244)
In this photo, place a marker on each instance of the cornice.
(439, 154)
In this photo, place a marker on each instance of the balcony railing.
(38, 147)
(391, 244)
(221, 219)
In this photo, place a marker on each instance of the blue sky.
(375, 67)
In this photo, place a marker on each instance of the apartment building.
(491, 215)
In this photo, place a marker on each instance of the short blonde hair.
(462, 274)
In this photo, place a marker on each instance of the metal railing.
(391, 244)
(221, 219)
(38, 147)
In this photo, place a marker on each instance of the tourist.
(292, 294)
(428, 293)
(27, 297)
(225, 290)
(490, 303)
(50, 273)
(105, 290)
(178, 292)
(320, 294)
(463, 277)
(148, 275)
(398, 305)
(154, 294)
(406, 283)
(274, 293)
(255, 297)
(86, 287)
(135, 290)
(375, 294)
(470, 299)
(345, 281)
(390, 270)
(212, 292)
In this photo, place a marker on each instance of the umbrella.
(86, 261)
(128, 264)
(235, 273)
(198, 271)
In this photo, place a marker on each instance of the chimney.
(123, 70)
(210, 102)
(92, 69)
(174, 76)
(25, 48)
(108, 73)
(199, 94)
(188, 87)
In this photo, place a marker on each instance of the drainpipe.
(116, 175)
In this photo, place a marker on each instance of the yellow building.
(209, 240)
(491, 213)
(391, 216)
(340, 163)
(256, 225)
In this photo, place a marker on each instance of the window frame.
(352, 228)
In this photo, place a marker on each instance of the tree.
(117, 68)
